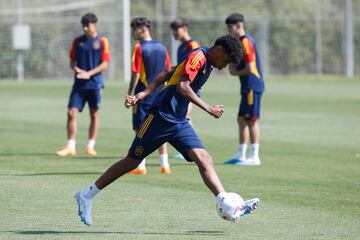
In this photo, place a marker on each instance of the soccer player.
(252, 87)
(180, 31)
(167, 123)
(89, 57)
(149, 58)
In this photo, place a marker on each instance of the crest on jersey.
(96, 45)
(139, 150)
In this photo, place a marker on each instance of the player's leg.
(117, 170)
(138, 118)
(94, 99)
(76, 104)
(254, 139)
(252, 122)
(164, 159)
(149, 138)
(93, 130)
(243, 138)
(206, 168)
(240, 154)
(71, 124)
(186, 141)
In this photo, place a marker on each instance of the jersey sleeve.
(72, 54)
(167, 60)
(105, 55)
(249, 50)
(193, 44)
(193, 63)
(136, 59)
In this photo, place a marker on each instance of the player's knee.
(205, 159)
(72, 113)
(132, 163)
(94, 117)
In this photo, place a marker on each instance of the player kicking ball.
(166, 122)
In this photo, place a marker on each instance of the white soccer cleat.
(254, 161)
(84, 208)
(235, 159)
(249, 206)
(232, 207)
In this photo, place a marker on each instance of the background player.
(179, 28)
(89, 57)
(167, 123)
(252, 87)
(149, 58)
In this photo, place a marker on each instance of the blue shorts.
(78, 98)
(156, 131)
(250, 105)
(139, 113)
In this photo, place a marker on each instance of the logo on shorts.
(139, 150)
(247, 115)
(96, 45)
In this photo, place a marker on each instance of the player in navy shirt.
(252, 88)
(89, 57)
(180, 30)
(166, 122)
(149, 58)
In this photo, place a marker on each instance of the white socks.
(220, 196)
(91, 143)
(241, 152)
(142, 165)
(254, 150)
(71, 144)
(164, 160)
(91, 191)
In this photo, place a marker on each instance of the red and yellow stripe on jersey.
(250, 55)
(188, 67)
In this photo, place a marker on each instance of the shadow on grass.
(187, 233)
(27, 154)
(52, 174)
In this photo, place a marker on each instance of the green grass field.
(308, 183)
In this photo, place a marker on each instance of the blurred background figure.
(149, 58)
(89, 57)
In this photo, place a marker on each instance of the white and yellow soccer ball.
(230, 207)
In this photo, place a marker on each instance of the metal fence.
(293, 37)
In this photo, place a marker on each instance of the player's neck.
(146, 37)
(186, 38)
(242, 32)
(92, 35)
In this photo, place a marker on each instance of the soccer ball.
(231, 211)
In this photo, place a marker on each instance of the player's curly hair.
(232, 46)
(140, 21)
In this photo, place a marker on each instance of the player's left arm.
(245, 71)
(105, 59)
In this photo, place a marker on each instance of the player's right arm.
(136, 61)
(164, 76)
(72, 55)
